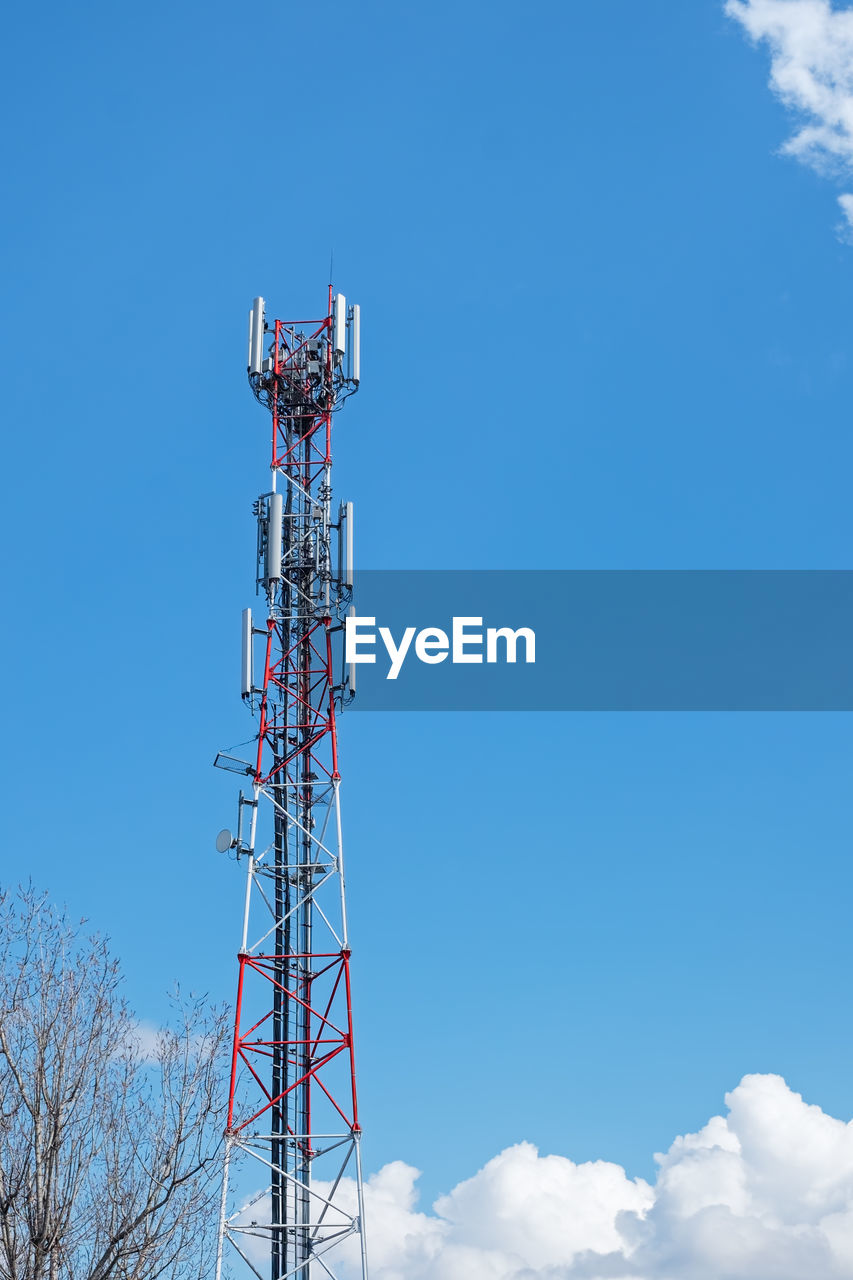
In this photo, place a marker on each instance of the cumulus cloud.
(762, 1193)
(146, 1039)
(811, 48)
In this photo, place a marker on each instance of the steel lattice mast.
(293, 1111)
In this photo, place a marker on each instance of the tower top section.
(305, 366)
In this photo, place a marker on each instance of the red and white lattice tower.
(293, 1123)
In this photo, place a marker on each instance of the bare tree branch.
(108, 1157)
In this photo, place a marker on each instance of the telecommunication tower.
(293, 1111)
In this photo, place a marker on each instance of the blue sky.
(605, 325)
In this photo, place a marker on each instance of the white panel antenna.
(351, 666)
(275, 511)
(256, 329)
(345, 544)
(340, 324)
(348, 544)
(246, 673)
(355, 344)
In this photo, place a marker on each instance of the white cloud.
(811, 47)
(762, 1193)
(145, 1039)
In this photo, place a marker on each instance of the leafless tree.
(108, 1145)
